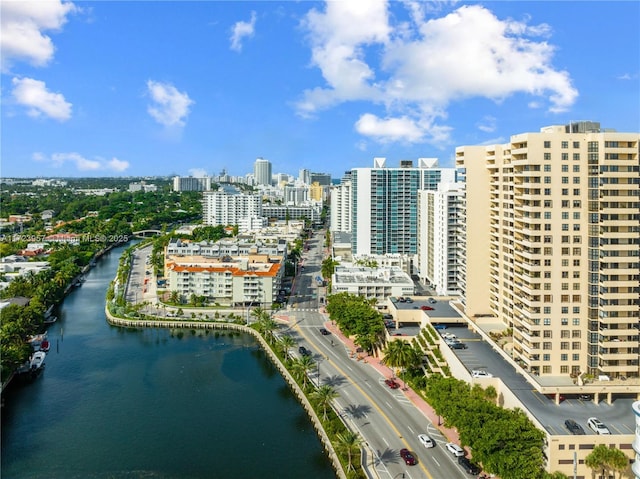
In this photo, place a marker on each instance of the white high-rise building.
(228, 206)
(384, 204)
(439, 230)
(341, 205)
(191, 183)
(262, 172)
(551, 248)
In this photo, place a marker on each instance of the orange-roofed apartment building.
(254, 279)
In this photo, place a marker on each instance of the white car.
(454, 449)
(426, 440)
(478, 373)
(597, 426)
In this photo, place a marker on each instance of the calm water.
(116, 403)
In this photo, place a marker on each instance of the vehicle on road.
(324, 332)
(574, 428)
(458, 345)
(597, 426)
(391, 383)
(426, 440)
(304, 351)
(409, 458)
(468, 466)
(454, 449)
(479, 373)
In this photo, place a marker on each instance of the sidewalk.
(385, 371)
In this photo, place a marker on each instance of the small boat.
(36, 341)
(44, 345)
(37, 360)
(50, 319)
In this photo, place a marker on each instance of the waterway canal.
(115, 403)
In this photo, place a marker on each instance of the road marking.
(412, 431)
(434, 460)
(390, 406)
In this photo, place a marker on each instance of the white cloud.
(417, 68)
(197, 172)
(170, 107)
(389, 129)
(242, 30)
(488, 124)
(39, 101)
(23, 23)
(57, 160)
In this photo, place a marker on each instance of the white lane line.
(385, 441)
(436, 462)
(412, 431)
(390, 406)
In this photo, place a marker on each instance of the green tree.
(324, 395)
(301, 367)
(349, 443)
(606, 459)
(286, 343)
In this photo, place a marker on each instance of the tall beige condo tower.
(551, 247)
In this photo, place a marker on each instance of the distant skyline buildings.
(262, 172)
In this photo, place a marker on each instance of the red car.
(391, 383)
(426, 308)
(409, 458)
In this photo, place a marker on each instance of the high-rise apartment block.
(551, 244)
(262, 172)
(227, 206)
(191, 183)
(384, 204)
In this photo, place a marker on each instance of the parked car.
(586, 397)
(409, 458)
(553, 397)
(454, 449)
(458, 346)
(426, 308)
(408, 300)
(597, 426)
(324, 331)
(440, 327)
(391, 383)
(574, 428)
(479, 373)
(432, 301)
(426, 440)
(304, 351)
(468, 466)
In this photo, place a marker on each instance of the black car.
(574, 428)
(304, 351)
(458, 346)
(468, 466)
(324, 331)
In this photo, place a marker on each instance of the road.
(386, 418)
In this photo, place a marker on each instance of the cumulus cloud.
(197, 172)
(417, 68)
(23, 25)
(242, 30)
(389, 129)
(81, 163)
(170, 107)
(39, 101)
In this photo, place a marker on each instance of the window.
(564, 357)
(565, 156)
(565, 370)
(565, 180)
(576, 227)
(564, 333)
(565, 144)
(565, 191)
(547, 179)
(577, 251)
(547, 334)
(546, 345)
(547, 144)
(576, 168)
(548, 251)
(547, 310)
(547, 168)
(546, 369)
(565, 168)
(565, 239)
(547, 262)
(576, 263)
(548, 203)
(547, 156)
(564, 345)
(576, 310)
(565, 263)
(576, 144)
(564, 310)
(576, 333)
(547, 191)
(575, 321)
(565, 215)
(576, 192)
(547, 215)
(575, 357)
(575, 345)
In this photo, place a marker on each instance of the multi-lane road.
(386, 419)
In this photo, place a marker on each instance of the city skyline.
(167, 88)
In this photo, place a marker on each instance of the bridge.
(146, 233)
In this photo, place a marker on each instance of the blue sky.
(120, 88)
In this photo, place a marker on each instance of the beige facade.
(551, 248)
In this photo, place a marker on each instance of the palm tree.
(287, 342)
(605, 458)
(301, 367)
(349, 442)
(400, 354)
(266, 325)
(324, 394)
(174, 296)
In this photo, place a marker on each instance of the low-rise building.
(379, 283)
